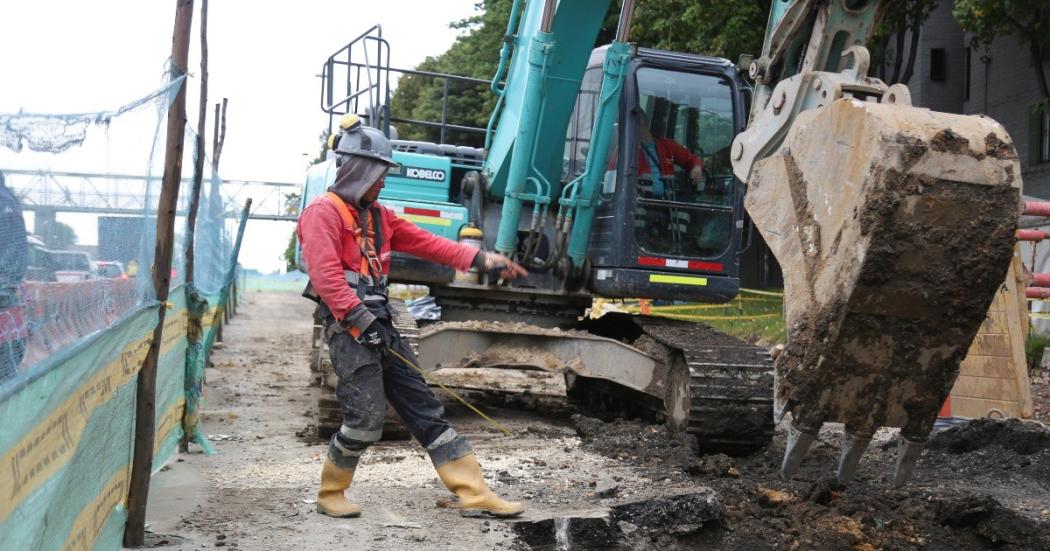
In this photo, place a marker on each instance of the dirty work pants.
(367, 379)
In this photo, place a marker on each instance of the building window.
(968, 71)
(938, 65)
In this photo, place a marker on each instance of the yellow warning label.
(432, 220)
(92, 518)
(171, 419)
(681, 280)
(49, 445)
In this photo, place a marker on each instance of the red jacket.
(328, 248)
(671, 153)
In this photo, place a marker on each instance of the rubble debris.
(606, 488)
(987, 517)
(824, 491)
(770, 498)
(1022, 437)
(675, 515)
(647, 444)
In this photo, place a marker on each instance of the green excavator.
(893, 225)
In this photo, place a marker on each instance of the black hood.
(355, 177)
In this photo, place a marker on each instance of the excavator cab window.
(684, 189)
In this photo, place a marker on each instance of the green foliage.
(289, 254)
(474, 54)
(291, 202)
(322, 151)
(719, 28)
(1027, 20)
(758, 319)
(61, 237)
(1033, 348)
(900, 17)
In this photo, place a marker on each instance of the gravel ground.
(619, 485)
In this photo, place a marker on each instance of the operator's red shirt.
(329, 248)
(670, 153)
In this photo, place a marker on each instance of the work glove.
(697, 174)
(374, 336)
(505, 267)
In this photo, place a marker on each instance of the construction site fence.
(78, 313)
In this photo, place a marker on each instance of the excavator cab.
(668, 226)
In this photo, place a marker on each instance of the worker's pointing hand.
(508, 269)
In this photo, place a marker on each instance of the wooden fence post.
(145, 392)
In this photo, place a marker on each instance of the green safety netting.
(78, 208)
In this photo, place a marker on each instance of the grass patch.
(1033, 349)
(755, 318)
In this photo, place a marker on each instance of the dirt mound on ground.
(992, 522)
(1015, 435)
(650, 446)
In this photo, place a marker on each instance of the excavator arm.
(893, 226)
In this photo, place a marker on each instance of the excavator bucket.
(894, 227)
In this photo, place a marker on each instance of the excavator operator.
(658, 156)
(346, 239)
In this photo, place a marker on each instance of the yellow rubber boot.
(330, 498)
(463, 477)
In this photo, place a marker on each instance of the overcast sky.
(66, 56)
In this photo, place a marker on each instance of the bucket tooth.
(853, 448)
(798, 445)
(908, 452)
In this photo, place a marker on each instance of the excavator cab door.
(669, 225)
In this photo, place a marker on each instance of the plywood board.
(993, 378)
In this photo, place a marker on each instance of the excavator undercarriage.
(694, 378)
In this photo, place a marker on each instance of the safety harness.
(368, 281)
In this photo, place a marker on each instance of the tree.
(711, 27)
(1028, 20)
(61, 236)
(902, 20)
(291, 202)
(289, 255)
(475, 53)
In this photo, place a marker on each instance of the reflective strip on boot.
(448, 446)
(346, 451)
(368, 436)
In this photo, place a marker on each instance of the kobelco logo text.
(424, 174)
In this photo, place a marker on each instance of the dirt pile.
(1018, 436)
(666, 522)
(989, 520)
(990, 496)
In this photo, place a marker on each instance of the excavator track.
(717, 387)
(730, 402)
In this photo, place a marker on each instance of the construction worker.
(657, 157)
(346, 239)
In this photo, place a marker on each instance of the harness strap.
(367, 241)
